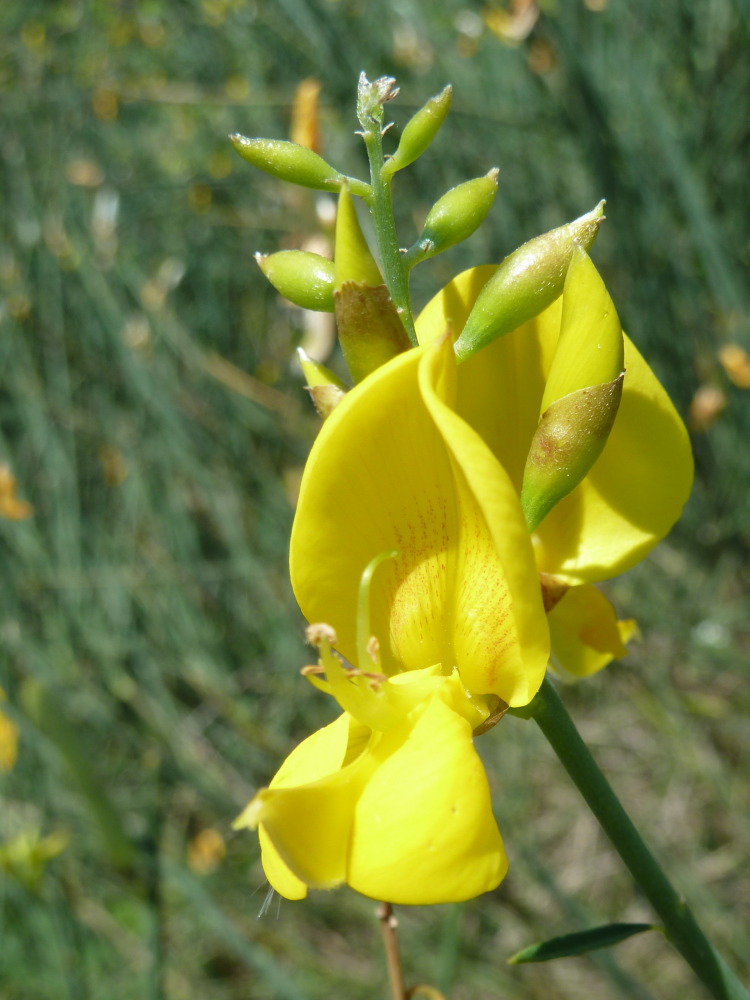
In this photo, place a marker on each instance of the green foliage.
(579, 943)
(149, 415)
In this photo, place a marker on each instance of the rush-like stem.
(680, 925)
(389, 925)
(380, 203)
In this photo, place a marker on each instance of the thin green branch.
(371, 98)
(680, 925)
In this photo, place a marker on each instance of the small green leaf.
(579, 943)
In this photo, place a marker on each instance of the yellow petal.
(589, 349)
(500, 631)
(394, 468)
(634, 493)
(585, 632)
(500, 388)
(638, 486)
(424, 830)
(305, 813)
(279, 875)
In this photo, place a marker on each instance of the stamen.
(319, 632)
(373, 650)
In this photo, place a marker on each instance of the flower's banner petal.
(500, 388)
(585, 633)
(500, 631)
(424, 830)
(634, 493)
(379, 478)
(394, 468)
(638, 486)
(452, 304)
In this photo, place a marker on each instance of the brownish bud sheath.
(326, 389)
(568, 440)
(370, 329)
(526, 282)
(325, 398)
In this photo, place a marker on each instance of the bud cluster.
(371, 304)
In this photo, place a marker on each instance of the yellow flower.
(631, 496)
(395, 468)
(428, 462)
(392, 798)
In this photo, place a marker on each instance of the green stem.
(680, 925)
(380, 203)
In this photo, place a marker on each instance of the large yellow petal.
(638, 486)
(585, 633)
(500, 388)
(379, 478)
(500, 632)
(424, 830)
(634, 493)
(394, 468)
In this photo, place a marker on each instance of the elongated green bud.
(570, 437)
(291, 162)
(306, 279)
(527, 281)
(353, 260)
(419, 131)
(454, 217)
(582, 394)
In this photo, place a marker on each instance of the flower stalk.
(371, 97)
(389, 927)
(680, 925)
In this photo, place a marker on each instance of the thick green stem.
(380, 202)
(679, 923)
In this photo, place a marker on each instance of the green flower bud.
(526, 282)
(570, 437)
(291, 162)
(419, 131)
(370, 329)
(582, 393)
(326, 389)
(306, 279)
(454, 217)
(353, 260)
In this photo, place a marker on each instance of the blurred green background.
(150, 417)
